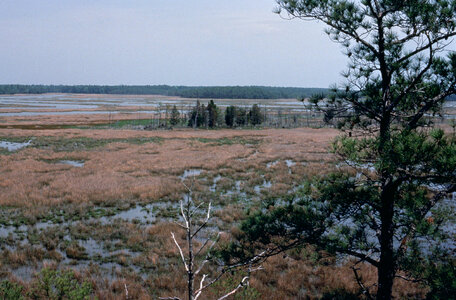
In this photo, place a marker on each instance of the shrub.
(55, 284)
(11, 290)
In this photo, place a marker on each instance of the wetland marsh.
(102, 201)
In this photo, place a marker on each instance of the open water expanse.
(67, 104)
(81, 104)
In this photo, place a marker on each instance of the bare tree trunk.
(190, 249)
(196, 119)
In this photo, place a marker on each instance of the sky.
(175, 42)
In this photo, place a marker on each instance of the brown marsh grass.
(126, 171)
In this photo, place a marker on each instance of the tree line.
(200, 115)
(215, 92)
(211, 116)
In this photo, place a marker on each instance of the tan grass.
(303, 279)
(122, 171)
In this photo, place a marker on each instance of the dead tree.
(196, 259)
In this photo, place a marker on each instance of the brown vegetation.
(127, 167)
(149, 171)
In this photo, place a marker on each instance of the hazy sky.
(177, 42)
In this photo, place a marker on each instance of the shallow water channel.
(12, 146)
(74, 163)
(101, 234)
(77, 249)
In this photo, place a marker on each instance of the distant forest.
(214, 92)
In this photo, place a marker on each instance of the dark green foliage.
(215, 92)
(437, 272)
(53, 284)
(11, 290)
(175, 115)
(220, 117)
(198, 117)
(212, 114)
(441, 279)
(255, 115)
(240, 116)
(329, 213)
(230, 116)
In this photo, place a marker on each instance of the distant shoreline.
(214, 92)
(196, 92)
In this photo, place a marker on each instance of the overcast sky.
(176, 42)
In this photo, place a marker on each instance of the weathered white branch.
(180, 251)
(200, 290)
(183, 215)
(188, 210)
(180, 225)
(244, 282)
(205, 221)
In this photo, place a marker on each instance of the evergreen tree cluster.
(239, 116)
(211, 116)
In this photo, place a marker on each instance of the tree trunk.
(386, 269)
(190, 273)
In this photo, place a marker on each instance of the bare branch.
(183, 215)
(205, 221)
(126, 291)
(408, 279)
(194, 210)
(244, 282)
(200, 290)
(360, 282)
(180, 225)
(180, 251)
(363, 257)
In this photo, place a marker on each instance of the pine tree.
(175, 116)
(398, 78)
(230, 116)
(255, 115)
(212, 114)
(240, 116)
